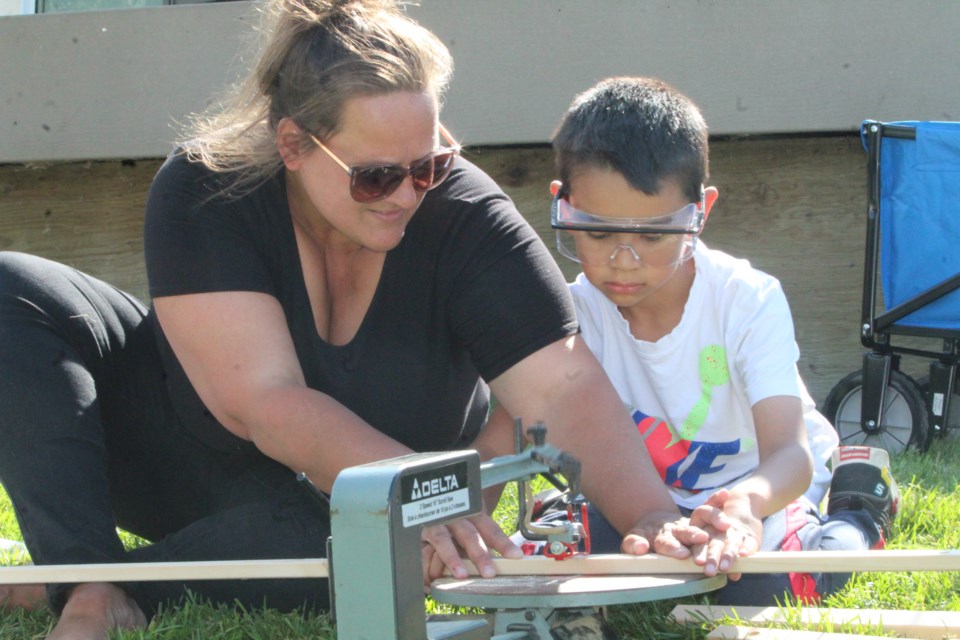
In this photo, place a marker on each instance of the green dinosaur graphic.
(713, 373)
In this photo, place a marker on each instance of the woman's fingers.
(433, 566)
(444, 547)
(444, 554)
(495, 538)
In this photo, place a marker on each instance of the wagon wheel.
(952, 423)
(905, 420)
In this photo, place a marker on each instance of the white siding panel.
(112, 84)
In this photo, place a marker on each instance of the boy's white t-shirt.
(691, 392)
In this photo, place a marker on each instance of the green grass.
(929, 511)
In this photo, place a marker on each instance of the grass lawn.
(929, 513)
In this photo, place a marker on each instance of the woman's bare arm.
(247, 374)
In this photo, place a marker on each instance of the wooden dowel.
(760, 562)
(613, 564)
(931, 625)
(151, 571)
(730, 632)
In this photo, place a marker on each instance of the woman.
(331, 286)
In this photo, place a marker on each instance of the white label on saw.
(435, 494)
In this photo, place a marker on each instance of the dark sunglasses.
(369, 184)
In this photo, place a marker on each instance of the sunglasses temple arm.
(446, 136)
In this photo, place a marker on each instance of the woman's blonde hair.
(316, 55)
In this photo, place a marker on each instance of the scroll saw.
(377, 513)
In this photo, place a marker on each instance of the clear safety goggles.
(660, 241)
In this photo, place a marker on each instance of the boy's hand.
(442, 545)
(665, 533)
(733, 529)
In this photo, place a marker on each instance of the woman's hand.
(442, 548)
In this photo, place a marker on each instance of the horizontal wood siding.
(794, 206)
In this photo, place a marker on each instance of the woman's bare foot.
(23, 596)
(93, 610)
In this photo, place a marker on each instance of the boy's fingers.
(687, 534)
(707, 515)
(635, 544)
(718, 498)
(718, 554)
(673, 540)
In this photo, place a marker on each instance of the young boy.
(699, 345)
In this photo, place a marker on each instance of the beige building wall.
(114, 84)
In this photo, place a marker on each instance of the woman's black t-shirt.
(469, 292)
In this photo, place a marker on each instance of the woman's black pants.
(89, 442)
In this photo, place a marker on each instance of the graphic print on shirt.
(680, 459)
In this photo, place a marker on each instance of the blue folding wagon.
(913, 253)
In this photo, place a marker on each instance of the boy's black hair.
(641, 127)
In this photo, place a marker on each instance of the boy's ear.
(710, 195)
(289, 138)
(555, 187)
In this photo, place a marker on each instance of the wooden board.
(728, 632)
(933, 625)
